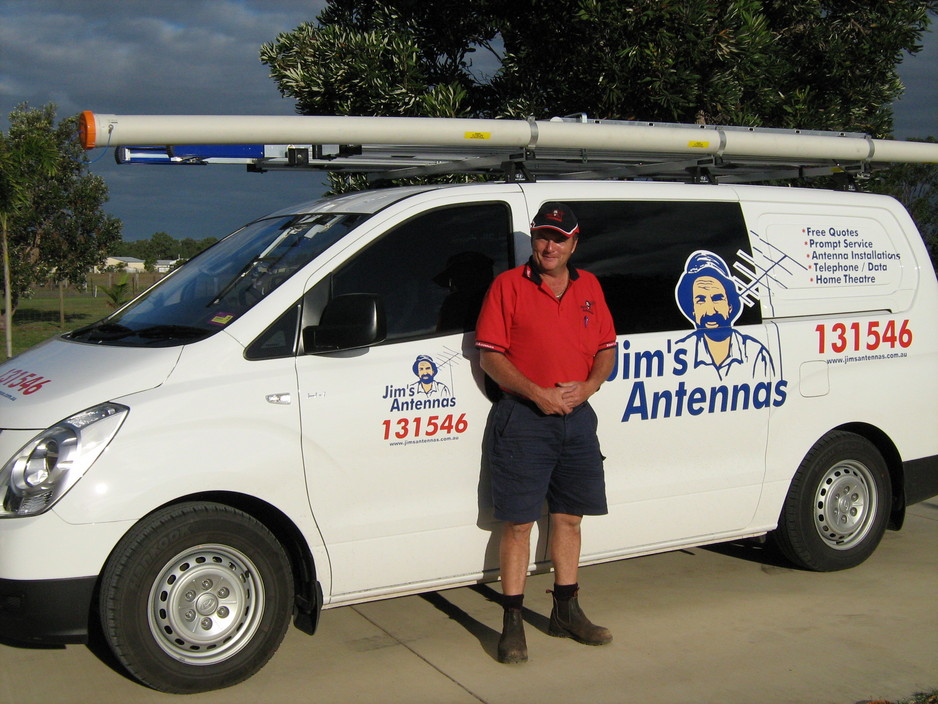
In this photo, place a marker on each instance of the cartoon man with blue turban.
(707, 295)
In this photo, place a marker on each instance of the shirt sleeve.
(607, 331)
(493, 330)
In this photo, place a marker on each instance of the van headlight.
(49, 465)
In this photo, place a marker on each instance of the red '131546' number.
(425, 427)
(843, 337)
(26, 382)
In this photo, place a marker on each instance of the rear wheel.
(837, 506)
(196, 597)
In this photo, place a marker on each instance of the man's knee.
(517, 531)
(566, 522)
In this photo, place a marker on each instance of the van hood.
(59, 378)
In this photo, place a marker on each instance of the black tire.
(837, 506)
(196, 597)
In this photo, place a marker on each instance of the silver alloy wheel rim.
(845, 504)
(206, 604)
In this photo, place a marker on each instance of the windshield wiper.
(111, 332)
(102, 331)
(172, 332)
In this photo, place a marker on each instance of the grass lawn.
(38, 318)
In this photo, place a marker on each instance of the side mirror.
(348, 321)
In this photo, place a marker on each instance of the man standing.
(546, 338)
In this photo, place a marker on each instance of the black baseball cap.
(556, 216)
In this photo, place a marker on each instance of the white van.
(250, 440)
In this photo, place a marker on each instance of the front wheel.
(196, 597)
(838, 505)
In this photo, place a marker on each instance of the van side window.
(278, 340)
(432, 271)
(638, 249)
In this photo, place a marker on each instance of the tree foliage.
(382, 58)
(118, 294)
(818, 64)
(916, 187)
(814, 64)
(162, 246)
(810, 64)
(59, 230)
(23, 162)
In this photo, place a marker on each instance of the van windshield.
(219, 285)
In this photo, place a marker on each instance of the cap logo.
(556, 216)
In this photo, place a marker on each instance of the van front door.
(392, 433)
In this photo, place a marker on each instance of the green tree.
(159, 246)
(162, 246)
(60, 230)
(119, 293)
(811, 64)
(189, 247)
(916, 187)
(23, 163)
(382, 58)
(817, 64)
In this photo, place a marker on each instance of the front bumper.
(45, 611)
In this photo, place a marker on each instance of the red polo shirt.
(549, 340)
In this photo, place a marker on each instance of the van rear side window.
(638, 249)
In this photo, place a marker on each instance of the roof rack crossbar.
(474, 164)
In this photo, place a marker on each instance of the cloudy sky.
(201, 57)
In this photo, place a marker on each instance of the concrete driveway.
(728, 624)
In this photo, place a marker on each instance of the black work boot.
(512, 647)
(567, 620)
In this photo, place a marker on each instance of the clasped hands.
(561, 399)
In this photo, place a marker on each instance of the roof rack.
(572, 147)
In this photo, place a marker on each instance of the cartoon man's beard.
(718, 334)
(426, 378)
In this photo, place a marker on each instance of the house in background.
(129, 264)
(133, 265)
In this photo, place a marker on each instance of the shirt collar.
(531, 273)
(703, 357)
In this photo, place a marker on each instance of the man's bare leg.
(565, 547)
(567, 620)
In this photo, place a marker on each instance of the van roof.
(364, 202)
(369, 202)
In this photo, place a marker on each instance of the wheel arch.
(890, 453)
(842, 475)
(308, 592)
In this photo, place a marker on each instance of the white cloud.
(157, 56)
(140, 57)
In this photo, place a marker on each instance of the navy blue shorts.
(533, 457)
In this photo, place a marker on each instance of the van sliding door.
(683, 418)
